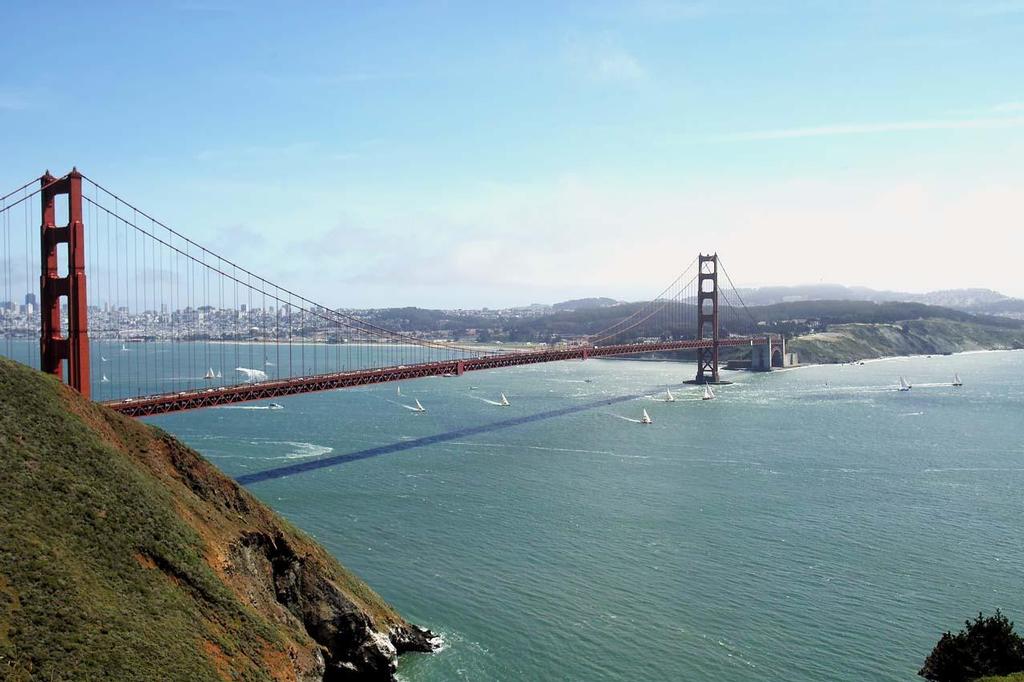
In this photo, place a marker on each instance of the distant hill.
(969, 300)
(124, 555)
(585, 303)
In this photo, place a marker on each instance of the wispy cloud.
(669, 10)
(662, 11)
(320, 79)
(1008, 107)
(991, 8)
(601, 59)
(841, 129)
(257, 152)
(14, 101)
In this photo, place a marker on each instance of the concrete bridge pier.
(761, 358)
(765, 356)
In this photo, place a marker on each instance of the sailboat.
(124, 348)
(102, 359)
(669, 398)
(219, 375)
(504, 401)
(708, 393)
(646, 419)
(419, 408)
(209, 374)
(105, 380)
(956, 380)
(398, 391)
(275, 406)
(904, 386)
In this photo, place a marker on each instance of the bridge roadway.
(266, 390)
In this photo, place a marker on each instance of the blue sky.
(467, 154)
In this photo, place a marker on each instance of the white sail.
(124, 347)
(219, 375)
(105, 380)
(504, 401)
(398, 391)
(956, 380)
(102, 359)
(209, 374)
(711, 391)
(646, 419)
(420, 408)
(669, 398)
(708, 393)
(904, 386)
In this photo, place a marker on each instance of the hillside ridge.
(125, 555)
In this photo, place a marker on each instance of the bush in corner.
(986, 646)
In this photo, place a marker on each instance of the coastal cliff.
(125, 555)
(859, 341)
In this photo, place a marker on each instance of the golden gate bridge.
(112, 280)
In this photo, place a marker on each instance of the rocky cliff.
(125, 555)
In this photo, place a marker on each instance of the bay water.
(808, 524)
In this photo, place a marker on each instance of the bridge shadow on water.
(323, 463)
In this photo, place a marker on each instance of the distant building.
(30, 299)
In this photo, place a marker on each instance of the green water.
(812, 524)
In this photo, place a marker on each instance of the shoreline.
(886, 358)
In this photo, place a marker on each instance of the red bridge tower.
(707, 318)
(54, 347)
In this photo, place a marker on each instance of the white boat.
(209, 374)
(105, 380)
(219, 375)
(708, 393)
(669, 398)
(956, 380)
(646, 419)
(102, 359)
(124, 348)
(420, 408)
(275, 406)
(504, 401)
(904, 386)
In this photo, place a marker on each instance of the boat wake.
(302, 450)
(412, 408)
(498, 403)
(542, 448)
(243, 407)
(252, 376)
(624, 418)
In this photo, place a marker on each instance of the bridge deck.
(211, 397)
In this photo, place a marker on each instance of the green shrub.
(986, 646)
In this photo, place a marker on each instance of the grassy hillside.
(126, 556)
(848, 342)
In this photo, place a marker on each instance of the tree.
(986, 646)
